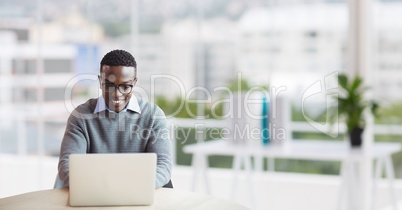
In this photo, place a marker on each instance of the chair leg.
(58, 183)
(168, 185)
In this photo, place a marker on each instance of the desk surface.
(297, 149)
(166, 199)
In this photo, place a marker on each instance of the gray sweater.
(123, 132)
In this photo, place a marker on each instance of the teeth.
(117, 102)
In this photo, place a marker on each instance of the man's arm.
(159, 142)
(74, 142)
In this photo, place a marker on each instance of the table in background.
(341, 151)
(166, 199)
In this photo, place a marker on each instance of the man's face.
(118, 76)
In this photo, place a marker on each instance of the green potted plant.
(351, 105)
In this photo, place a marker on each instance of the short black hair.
(118, 58)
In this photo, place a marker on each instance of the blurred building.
(298, 45)
(28, 95)
(283, 45)
(72, 28)
(202, 53)
(38, 69)
(278, 45)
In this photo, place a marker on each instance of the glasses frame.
(103, 85)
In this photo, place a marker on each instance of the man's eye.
(126, 87)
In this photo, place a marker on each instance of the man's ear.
(135, 81)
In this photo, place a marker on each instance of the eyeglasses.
(111, 87)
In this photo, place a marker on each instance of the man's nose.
(116, 93)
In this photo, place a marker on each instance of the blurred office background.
(49, 60)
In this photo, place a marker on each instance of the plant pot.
(355, 137)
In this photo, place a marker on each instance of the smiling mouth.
(117, 102)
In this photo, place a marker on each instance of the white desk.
(298, 149)
(165, 199)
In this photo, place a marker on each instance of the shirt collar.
(132, 105)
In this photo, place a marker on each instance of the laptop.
(112, 179)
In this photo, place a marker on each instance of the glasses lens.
(125, 89)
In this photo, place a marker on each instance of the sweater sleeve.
(74, 142)
(159, 143)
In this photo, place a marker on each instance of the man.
(117, 122)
